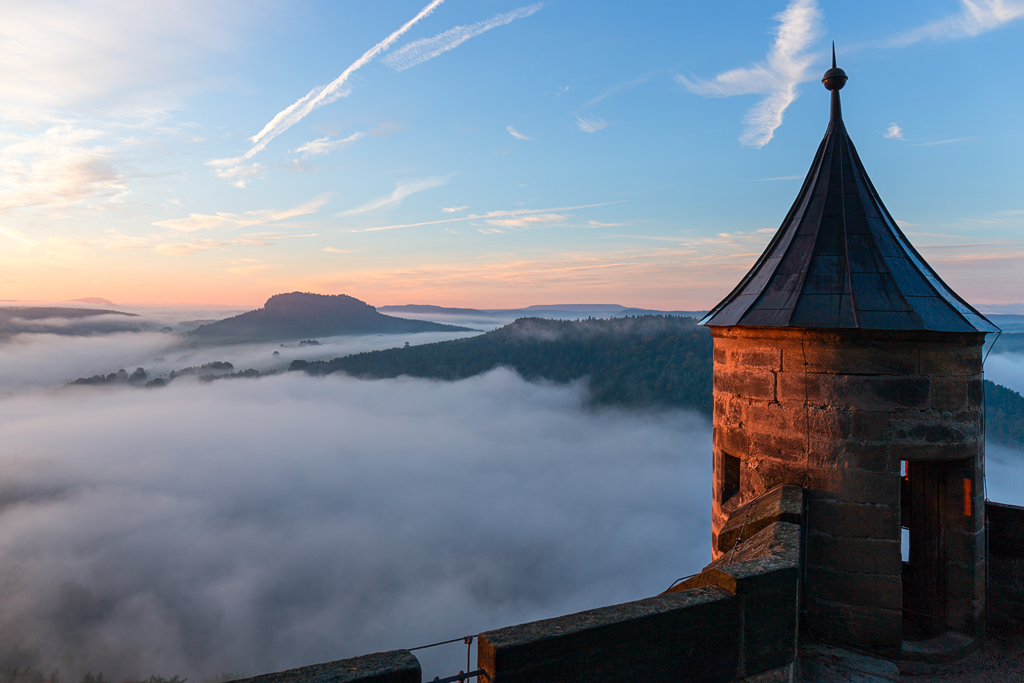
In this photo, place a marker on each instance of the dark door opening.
(930, 499)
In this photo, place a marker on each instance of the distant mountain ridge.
(65, 321)
(303, 314)
(540, 310)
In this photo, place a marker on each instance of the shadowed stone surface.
(1006, 566)
(823, 664)
(763, 572)
(395, 666)
(665, 638)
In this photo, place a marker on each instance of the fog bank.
(255, 525)
(1006, 369)
(50, 360)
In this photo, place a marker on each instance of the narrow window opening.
(730, 477)
(905, 544)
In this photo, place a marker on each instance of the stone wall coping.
(579, 622)
(781, 504)
(755, 564)
(394, 666)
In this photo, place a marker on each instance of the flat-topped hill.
(301, 314)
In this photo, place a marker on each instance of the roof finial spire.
(834, 80)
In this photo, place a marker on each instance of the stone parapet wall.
(737, 618)
(692, 635)
(835, 412)
(1006, 566)
(396, 666)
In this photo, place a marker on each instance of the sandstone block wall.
(835, 412)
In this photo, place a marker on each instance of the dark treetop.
(840, 261)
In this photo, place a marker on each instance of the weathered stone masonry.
(836, 412)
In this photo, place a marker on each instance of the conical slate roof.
(839, 260)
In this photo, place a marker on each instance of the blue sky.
(487, 153)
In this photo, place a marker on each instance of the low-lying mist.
(1006, 369)
(51, 360)
(249, 526)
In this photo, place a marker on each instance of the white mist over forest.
(248, 526)
(251, 525)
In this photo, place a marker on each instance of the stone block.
(949, 393)
(865, 626)
(778, 446)
(720, 408)
(862, 359)
(765, 474)
(796, 388)
(934, 451)
(860, 590)
(933, 431)
(875, 393)
(665, 638)
(975, 392)
(762, 357)
(758, 385)
(783, 504)
(774, 418)
(940, 360)
(873, 457)
(853, 486)
(865, 555)
(854, 520)
(832, 423)
(732, 440)
(396, 666)
(871, 426)
(829, 454)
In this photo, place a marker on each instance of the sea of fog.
(247, 526)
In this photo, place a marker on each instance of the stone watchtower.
(843, 364)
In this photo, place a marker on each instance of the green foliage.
(641, 361)
(1004, 415)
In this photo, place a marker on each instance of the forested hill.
(641, 361)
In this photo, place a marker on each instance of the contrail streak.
(323, 94)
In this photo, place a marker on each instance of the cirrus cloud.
(787, 65)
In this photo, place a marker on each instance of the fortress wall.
(1006, 566)
(835, 411)
(396, 666)
(735, 619)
